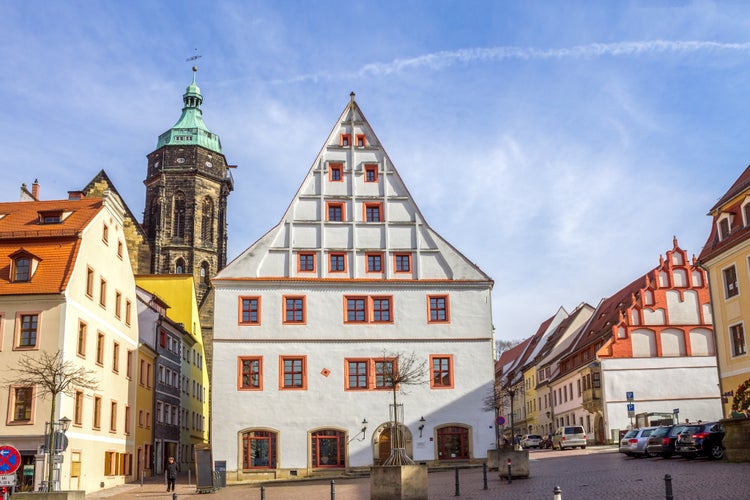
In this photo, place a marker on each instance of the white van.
(569, 437)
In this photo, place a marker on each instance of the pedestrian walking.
(171, 474)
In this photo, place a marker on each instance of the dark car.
(701, 439)
(661, 441)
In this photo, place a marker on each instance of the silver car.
(531, 441)
(569, 437)
(635, 441)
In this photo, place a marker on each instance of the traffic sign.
(629, 395)
(631, 407)
(500, 420)
(10, 460)
(8, 480)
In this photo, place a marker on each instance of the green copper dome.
(190, 129)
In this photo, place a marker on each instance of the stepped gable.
(363, 207)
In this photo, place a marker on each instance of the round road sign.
(500, 420)
(10, 460)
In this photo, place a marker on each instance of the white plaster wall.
(685, 311)
(660, 385)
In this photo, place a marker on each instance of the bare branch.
(51, 374)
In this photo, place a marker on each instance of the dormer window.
(723, 229)
(361, 140)
(346, 140)
(23, 266)
(51, 217)
(22, 269)
(746, 213)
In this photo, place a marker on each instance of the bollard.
(333, 490)
(668, 486)
(189, 477)
(484, 474)
(141, 478)
(174, 496)
(558, 493)
(262, 493)
(510, 478)
(458, 491)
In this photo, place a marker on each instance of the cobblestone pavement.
(595, 473)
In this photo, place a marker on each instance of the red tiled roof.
(738, 231)
(55, 245)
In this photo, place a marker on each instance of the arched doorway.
(383, 441)
(453, 442)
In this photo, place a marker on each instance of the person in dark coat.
(171, 474)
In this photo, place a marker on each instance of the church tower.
(185, 216)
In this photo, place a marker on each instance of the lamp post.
(56, 443)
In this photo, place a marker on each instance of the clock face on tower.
(209, 164)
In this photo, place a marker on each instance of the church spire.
(190, 128)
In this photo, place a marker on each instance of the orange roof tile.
(55, 245)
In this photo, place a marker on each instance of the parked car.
(531, 441)
(701, 439)
(569, 437)
(661, 442)
(633, 443)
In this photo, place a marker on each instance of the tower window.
(207, 224)
(205, 272)
(179, 216)
(179, 266)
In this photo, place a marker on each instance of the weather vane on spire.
(195, 57)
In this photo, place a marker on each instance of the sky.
(559, 145)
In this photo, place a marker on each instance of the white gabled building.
(305, 317)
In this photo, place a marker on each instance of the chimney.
(76, 195)
(35, 189)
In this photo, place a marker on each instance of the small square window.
(22, 269)
(402, 262)
(249, 310)
(250, 374)
(294, 310)
(293, 372)
(441, 368)
(371, 173)
(335, 211)
(337, 262)
(374, 262)
(306, 262)
(345, 140)
(361, 140)
(439, 309)
(373, 212)
(381, 309)
(336, 172)
(356, 310)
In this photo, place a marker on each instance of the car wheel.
(583, 447)
(717, 452)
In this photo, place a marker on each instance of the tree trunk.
(51, 443)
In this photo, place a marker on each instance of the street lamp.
(56, 442)
(421, 425)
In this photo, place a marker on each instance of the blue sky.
(558, 145)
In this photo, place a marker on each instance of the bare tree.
(499, 396)
(51, 375)
(398, 371)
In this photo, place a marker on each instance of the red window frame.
(368, 309)
(371, 173)
(297, 369)
(358, 372)
(372, 212)
(339, 445)
(361, 140)
(306, 262)
(345, 140)
(336, 172)
(247, 368)
(374, 262)
(270, 440)
(247, 307)
(295, 310)
(438, 309)
(353, 307)
(398, 262)
(335, 211)
(334, 257)
(441, 371)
